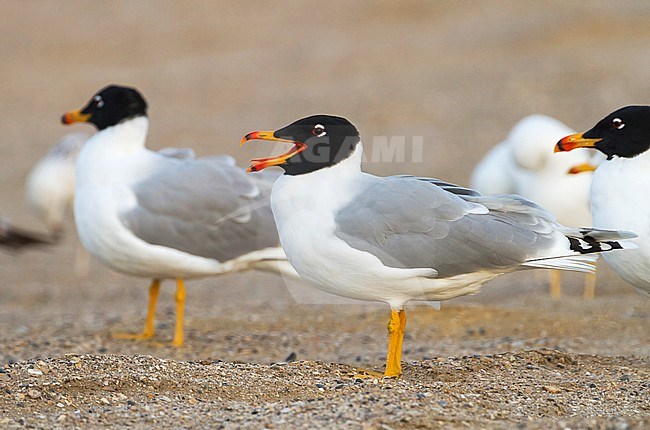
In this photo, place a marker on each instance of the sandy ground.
(456, 75)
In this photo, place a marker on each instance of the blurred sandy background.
(459, 74)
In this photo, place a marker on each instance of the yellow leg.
(180, 309)
(396, 328)
(590, 286)
(148, 331)
(556, 284)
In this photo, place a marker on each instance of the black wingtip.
(588, 245)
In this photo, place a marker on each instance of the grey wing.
(447, 186)
(413, 223)
(204, 207)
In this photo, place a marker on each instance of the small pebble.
(33, 393)
(552, 389)
(43, 367)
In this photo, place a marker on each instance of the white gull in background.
(49, 188)
(621, 185)
(401, 238)
(524, 164)
(49, 191)
(147, 214)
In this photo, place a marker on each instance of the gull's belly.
(322, 258)
(98, 227)
(632, 265)
(618, 201)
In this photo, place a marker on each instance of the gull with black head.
(161, 216)
(401, 238)
(621, 184)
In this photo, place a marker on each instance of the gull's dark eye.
(319, 131)
(618, 123)
(98, 101)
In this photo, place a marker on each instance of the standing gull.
(401, 238)
(524, 164)
(621, 185)
(147, 214)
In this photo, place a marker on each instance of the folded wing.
(207, 207)
(412, 222)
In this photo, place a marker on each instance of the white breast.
(304, 208)
(619, 200)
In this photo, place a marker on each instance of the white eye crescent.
(99, 102)
(319, 131)
(618, 123)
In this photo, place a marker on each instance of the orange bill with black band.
(258, 164)
(75, 116)
(574, 141)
